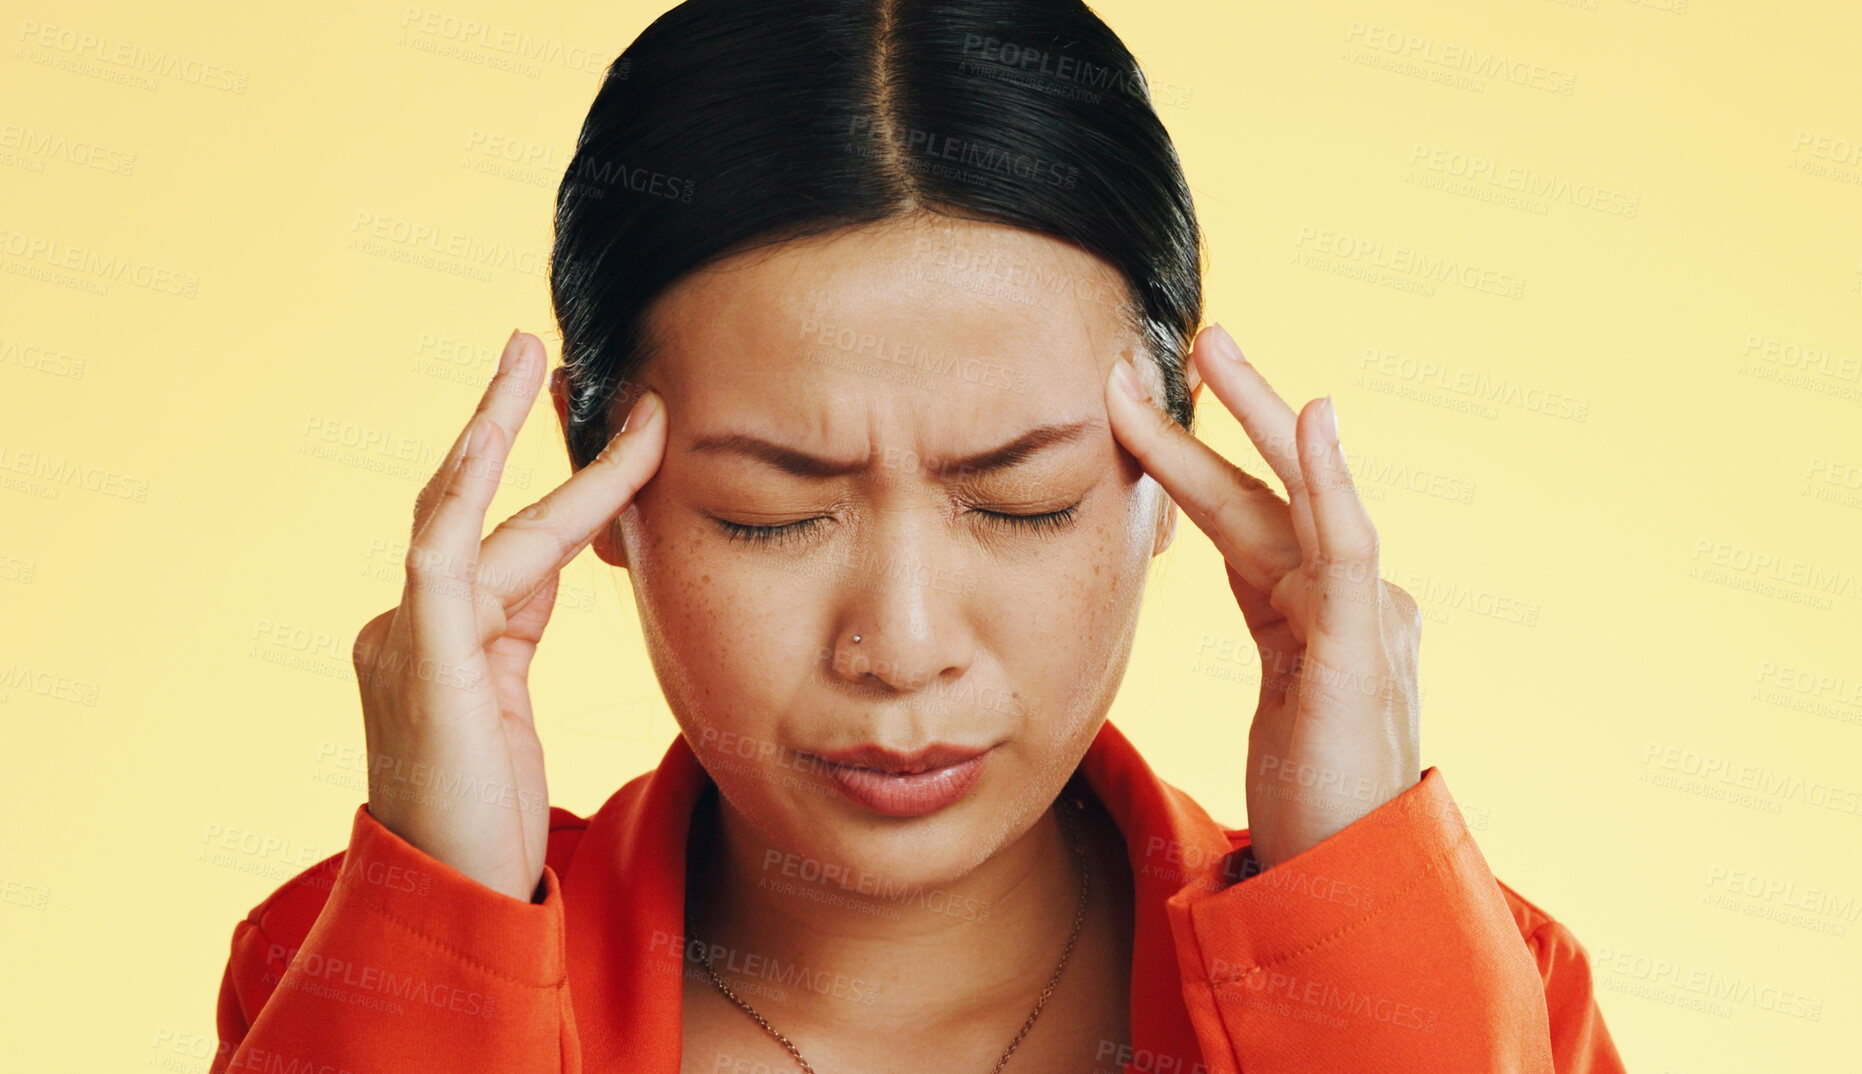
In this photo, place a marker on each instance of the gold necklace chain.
(1079, 917)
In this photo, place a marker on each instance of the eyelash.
(1050, 522)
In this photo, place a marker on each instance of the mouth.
(904, 784)
(900, 762)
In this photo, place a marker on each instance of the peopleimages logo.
(1408, 261)
(810, 871)
(767, 968)
(1056, 68)
(1291, 994)
(1669, 977)
(927, 150)
(324, 976)
(601, 176)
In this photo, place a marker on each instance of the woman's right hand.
(455, 765)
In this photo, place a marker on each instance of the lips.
(897, 762)
(904, 784)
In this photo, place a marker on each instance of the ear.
(606, 542)
(1166, 524)
(1193, 375)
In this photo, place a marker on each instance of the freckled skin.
(1019, 639)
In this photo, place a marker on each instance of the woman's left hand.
(1337, 731)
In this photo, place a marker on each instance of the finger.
(443, 552)
(506, 400)
(528, 548)
(1248, 522)
(442, 559)
(1264, 416)
(1345, 598)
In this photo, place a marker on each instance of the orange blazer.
(1389, 946)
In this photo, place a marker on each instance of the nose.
(904, 590)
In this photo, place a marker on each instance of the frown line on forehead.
(794, 461)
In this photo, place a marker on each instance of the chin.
(832, 842)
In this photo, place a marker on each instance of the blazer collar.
(625, 906)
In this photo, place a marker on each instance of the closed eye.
(1050, 522)
(1046, 522)
(737, 531)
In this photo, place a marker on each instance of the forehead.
(956, 329)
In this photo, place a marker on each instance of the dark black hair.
(730, 125)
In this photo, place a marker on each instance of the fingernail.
(1328, 421)
(1225, 345)
(1128, 380)
(642, 411)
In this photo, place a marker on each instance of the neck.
(967, 960)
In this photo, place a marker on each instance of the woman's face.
(818, 398)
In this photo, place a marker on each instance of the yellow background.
(177, 618)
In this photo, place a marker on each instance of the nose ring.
(856, 637)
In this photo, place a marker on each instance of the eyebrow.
(792, 461)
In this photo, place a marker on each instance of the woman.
(898, 303)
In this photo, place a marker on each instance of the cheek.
(1067, 629)
(1104, 577)
(719, 648)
